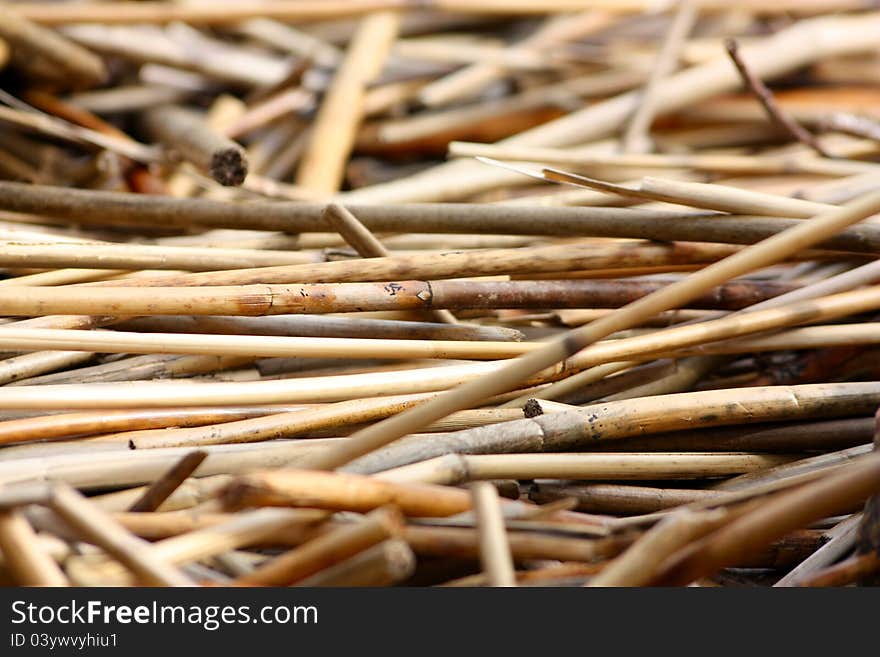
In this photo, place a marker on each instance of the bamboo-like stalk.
(772, 519)
(119, 468)
(619, 466)
(494, 549)
(325, 550)
(674, 295)
(367, 246)
(280, 425)
(99, 528)
(340, 113)
(618, 499)
(24, 557)
(609, 421)
(382, 565)
(145, 256)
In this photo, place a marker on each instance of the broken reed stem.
(95, 526)
(332, 136)
(328, 549)
(676, 294)
(494, 550)
(851, 124)
(83, 67)
(186, 132)
(25, 559)
(367, 246)
(765, 97)
(161, 489)
(636, 137)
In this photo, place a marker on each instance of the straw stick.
(773, 519)
(281, 425)
(83, 67)
(618, 499)
(109, 207)
(674, 295)
(789, 49)
(340, 114)
(840, 540)
(765, 96)
(24, 557)
(638, 565)
(341, 492)
(320, 326)
(186, 133)
(326, 550)
(635, 138)
(606, 421)
(145, 256)
(382, 565)
(720, 163)
(701, 195)
(619, 466)
(494, 549)
(848, 571)
(367, 246)
(161, 489)
(97, 527)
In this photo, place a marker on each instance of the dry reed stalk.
(840, 539)
(385, 564)
(341, 492)
(762, 254)
(495, 553)
(367, 246)
(83, 67)
(325, 550)
(341, 111)
(636, 137)
(772, 519)
(456, 469)
(609, 421)
(95, 526)
(319, 326)
(848, 571)
(23, 555)
(161, 489)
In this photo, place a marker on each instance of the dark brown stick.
(161, 489)
(765, 97)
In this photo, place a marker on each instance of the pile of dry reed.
(377, 292)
